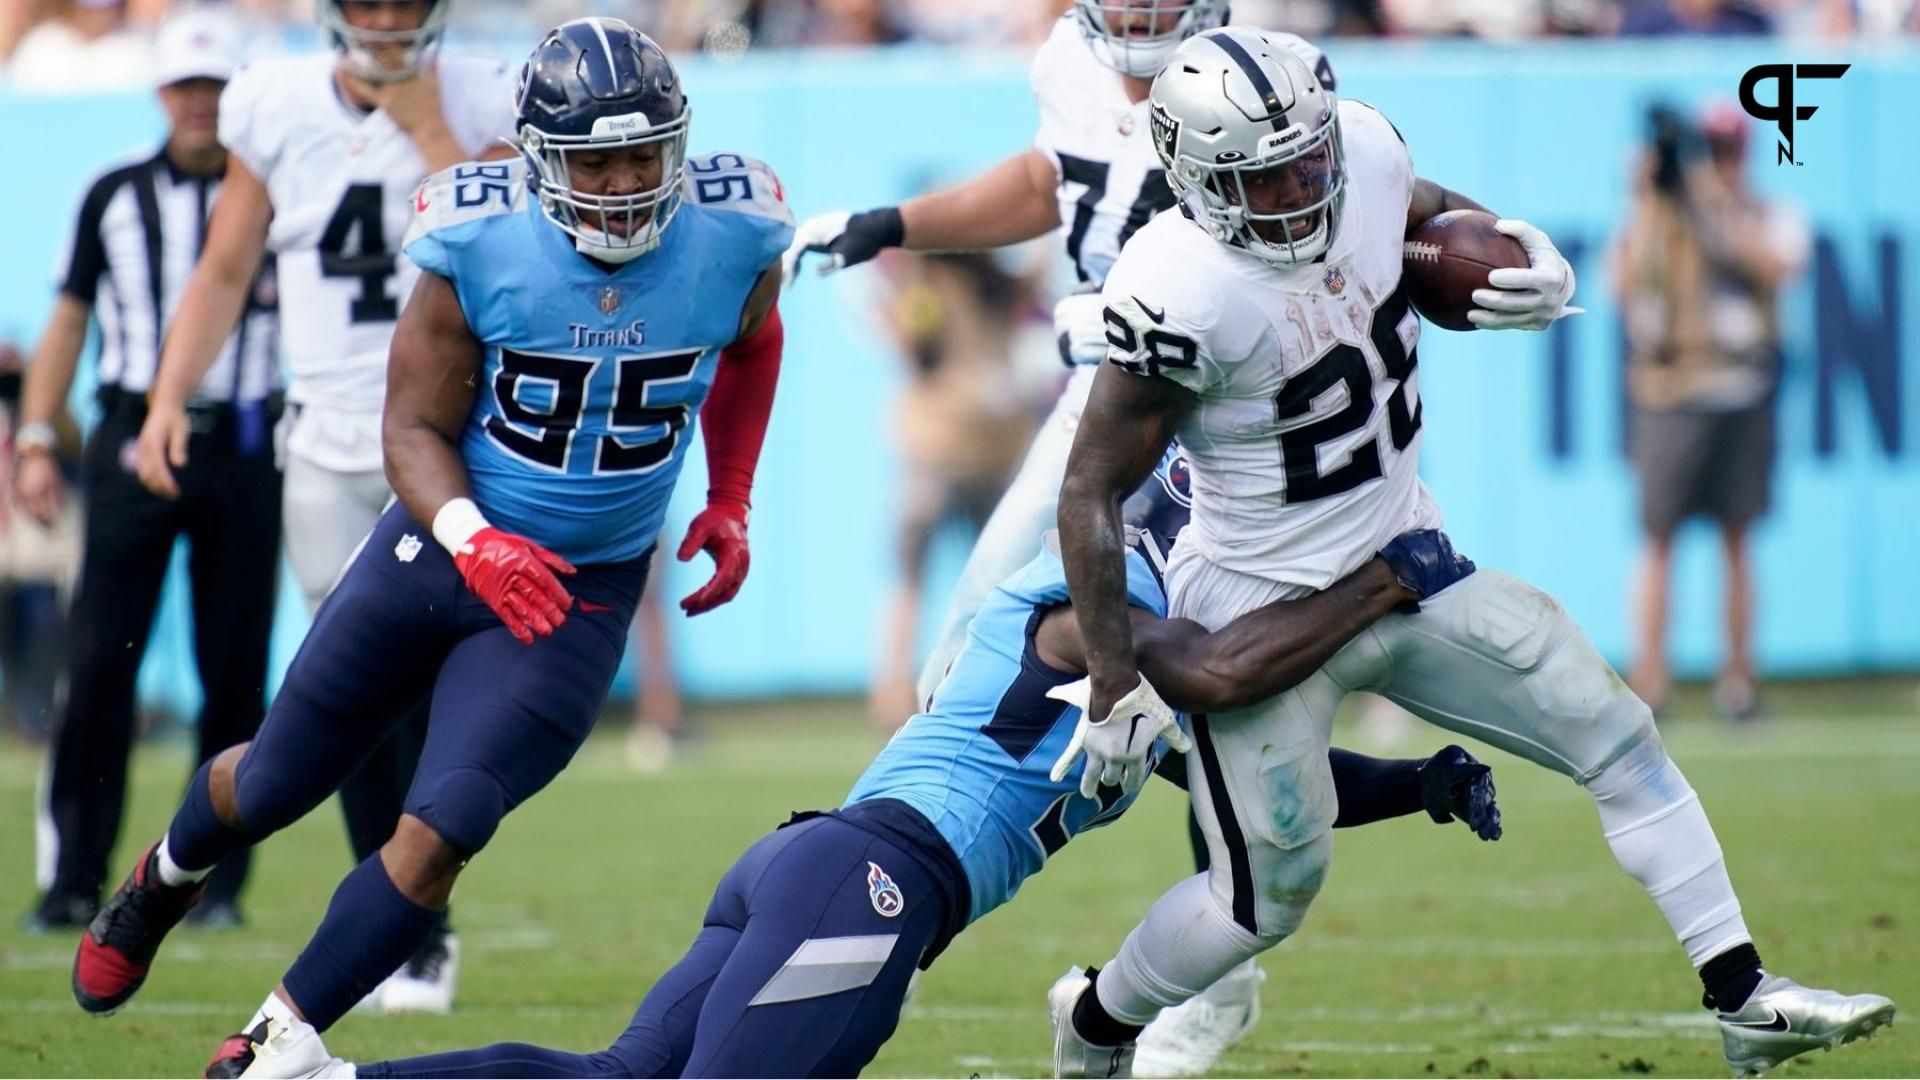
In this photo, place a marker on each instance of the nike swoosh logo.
(1778, 1023)
(1133, 726)
(588, 607)
(1157, 316)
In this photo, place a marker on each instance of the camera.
(1675, 142)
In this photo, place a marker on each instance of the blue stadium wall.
(1524, 431)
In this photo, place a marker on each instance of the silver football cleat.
(1073, 1055)
(1784, 1019)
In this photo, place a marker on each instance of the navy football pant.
(798, 971)
(401, 628)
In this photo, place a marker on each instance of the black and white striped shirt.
(141, 228)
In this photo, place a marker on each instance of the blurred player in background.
(1092, 168)
(1699, 266)
(1269, 326)
(959, 425)
(812, 937)
(566, 327)
(327, 150)
(140, 225)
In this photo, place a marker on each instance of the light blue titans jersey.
(975, 763)
(592, 376)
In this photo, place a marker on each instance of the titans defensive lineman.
(807, 948)
(565, 331)
(1267, 324)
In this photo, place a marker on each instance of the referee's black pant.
(229, 511)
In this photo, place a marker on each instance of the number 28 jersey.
(1304, 440)
(342, 184)
(592, 376)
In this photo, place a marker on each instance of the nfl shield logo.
(609, 301)
(885, 895)
(1335, 280)
(408, 548)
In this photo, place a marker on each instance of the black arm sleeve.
(1370, 789)
(1374, 789)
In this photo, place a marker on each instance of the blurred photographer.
(1699, 266)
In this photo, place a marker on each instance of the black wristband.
(872, 231)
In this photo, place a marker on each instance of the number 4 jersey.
(342, 184)
(1304, 441)
(593, 374)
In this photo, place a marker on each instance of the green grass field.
(1428, 953)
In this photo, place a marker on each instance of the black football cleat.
(1454, 784)
(118, 947)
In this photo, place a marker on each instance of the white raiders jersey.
(1111, 182)
(1304, 442)
(342, 186)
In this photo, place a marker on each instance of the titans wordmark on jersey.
(1111, 182)
(1305, 439)
(592, 376)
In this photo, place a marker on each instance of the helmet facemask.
(1150, 30)
(361, 49)
(1282, 205)
(612, 228)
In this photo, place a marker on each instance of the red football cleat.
(119, 944)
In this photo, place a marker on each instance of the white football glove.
(815, 234)
(1118, 748)
(1080, 324)
(1529, 299)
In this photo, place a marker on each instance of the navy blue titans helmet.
(1161, 507)
(598, 85)
(359, 49)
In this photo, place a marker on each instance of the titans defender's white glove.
(1119, 749)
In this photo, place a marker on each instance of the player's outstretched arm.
(1008, 204)
(733, 427)
(1128, 422)
(211, 305)
(432, 371)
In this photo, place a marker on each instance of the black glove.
(1425, 563)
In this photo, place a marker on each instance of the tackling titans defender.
(1267, 324)
(810, 941)
(1091, 168)
(564, 333)
(326, 151)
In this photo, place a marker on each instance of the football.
(1448, 257)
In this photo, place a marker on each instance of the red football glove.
(515, 576)
(721, 531)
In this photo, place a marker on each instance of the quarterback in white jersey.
(1266, 325)
(325, 154)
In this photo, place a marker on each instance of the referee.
(140, 229)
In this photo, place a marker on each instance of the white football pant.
(1491, 657)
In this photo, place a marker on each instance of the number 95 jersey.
(592, 374)
(1304, 439)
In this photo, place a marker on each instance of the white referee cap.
(197, 45)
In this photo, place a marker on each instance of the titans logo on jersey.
(976, 763)
(593, 375)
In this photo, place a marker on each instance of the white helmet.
(1235, 106)
(1143, 56)
(357, 46)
